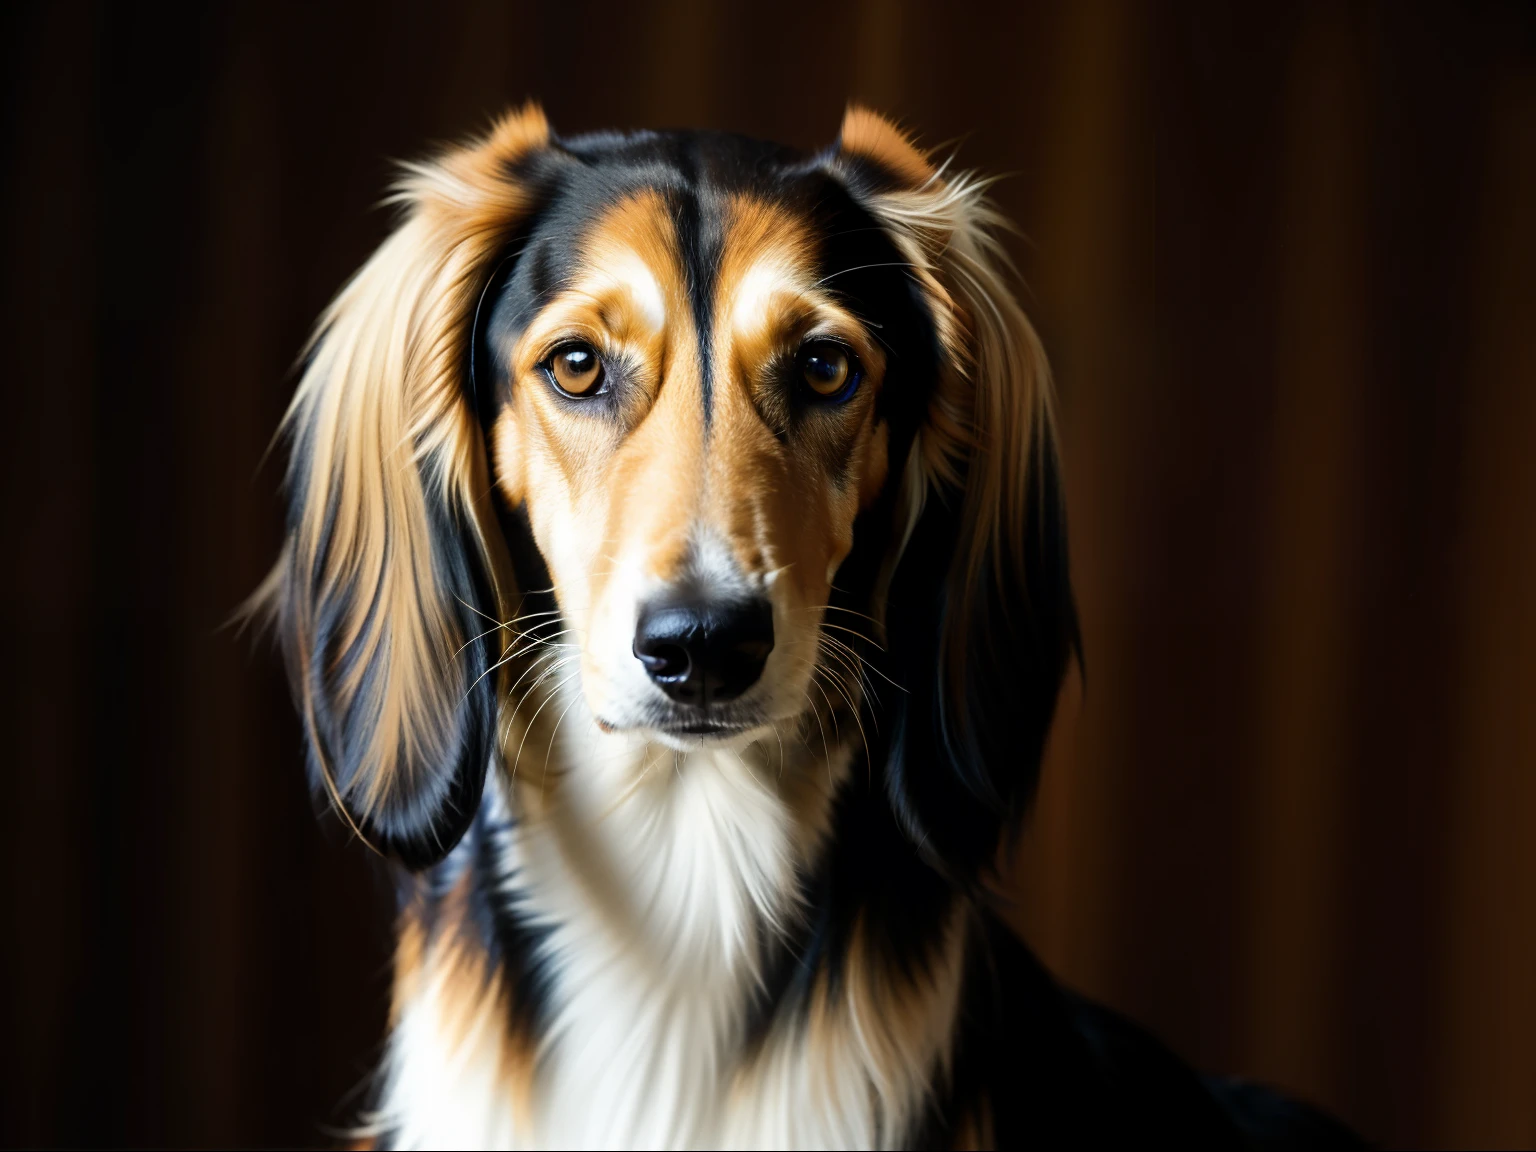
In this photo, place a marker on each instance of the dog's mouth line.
(686, 728)
(706, 728)
(680, 728)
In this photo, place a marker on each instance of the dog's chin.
(689, 732)
(723, 737)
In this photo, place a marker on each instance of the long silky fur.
(391, 563)
(841, 989)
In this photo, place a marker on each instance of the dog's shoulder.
(1045, 1065)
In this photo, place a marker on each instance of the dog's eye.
(829, 370)
(576, 369)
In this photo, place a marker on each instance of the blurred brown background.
(1284, 260)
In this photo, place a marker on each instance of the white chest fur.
(658, 875)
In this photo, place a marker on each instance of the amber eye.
(576, 369)
(829, 370)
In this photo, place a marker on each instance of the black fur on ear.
(412, 802)
(983, 658)
(392, 577)
(980, 623)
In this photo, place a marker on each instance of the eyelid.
(848, 347)
(855, 348)
(551, 346)
(814, 337)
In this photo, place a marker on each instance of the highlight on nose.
(704, 652)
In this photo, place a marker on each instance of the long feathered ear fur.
(388, 586)
(980, 621)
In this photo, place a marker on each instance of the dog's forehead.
(703, 164)
(665, 205)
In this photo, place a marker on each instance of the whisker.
(826, 753)
(854, 632)
(864, 662)
(500, 624)
(556, 660)
(851, 612)
(555, 651)
(831, 715)
(549, 641)
(868, 756)
(862, 267)
(851, 669)
(513, 655)
(554, 731)
(516, 759)
(478, 612)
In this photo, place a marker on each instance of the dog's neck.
(658, 881)
(665, 874)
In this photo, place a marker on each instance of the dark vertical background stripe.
(1284, 260)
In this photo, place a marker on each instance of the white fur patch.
(683, 858)
(657, 874)
(755, 290)
(447, 1089)
(635, 276)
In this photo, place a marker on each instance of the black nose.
(705, 652)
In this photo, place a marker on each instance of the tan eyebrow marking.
(634, 250)
(767, 252)
(624, 271)
(628, 287)
(769, 291)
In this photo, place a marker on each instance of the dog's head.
(762, 423)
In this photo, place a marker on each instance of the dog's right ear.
(981, 627)
(387, 591)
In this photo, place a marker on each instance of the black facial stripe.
(699, 246)
(542, 276)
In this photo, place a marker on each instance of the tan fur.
(605, 498)
(768, 258)
(381, 406)
(868, 134)
(440, 959)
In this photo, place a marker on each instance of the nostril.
(753, 649)
(664, 661)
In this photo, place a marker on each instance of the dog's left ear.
(387, 593)
(980, 622)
